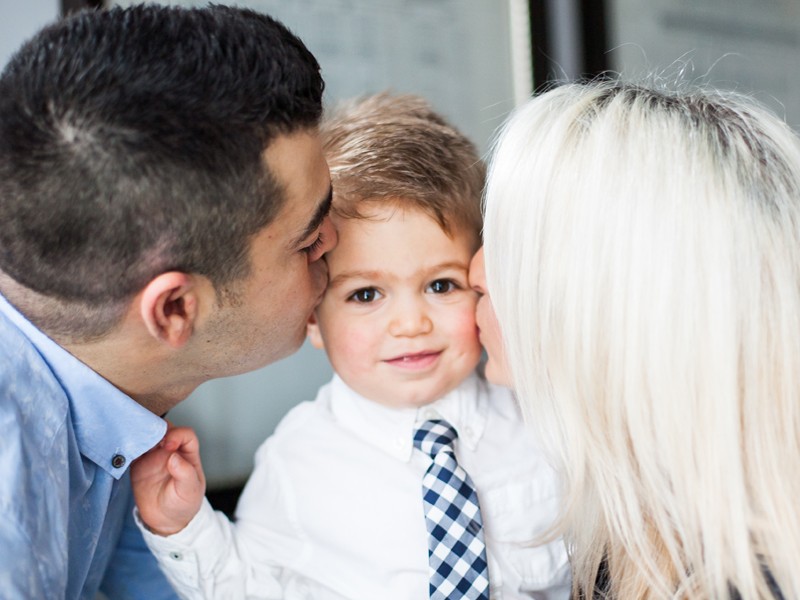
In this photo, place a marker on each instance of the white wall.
(20, 19)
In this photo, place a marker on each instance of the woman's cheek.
(481, 320)
(496, 370)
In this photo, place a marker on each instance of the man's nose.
(410, 319)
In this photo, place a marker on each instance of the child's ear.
(313, 332)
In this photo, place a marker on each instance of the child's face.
(398, 317)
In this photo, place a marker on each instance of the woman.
(643, 257)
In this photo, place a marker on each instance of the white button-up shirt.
(334, 506)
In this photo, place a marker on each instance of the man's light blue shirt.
(67, 438)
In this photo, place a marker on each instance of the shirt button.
(118, 461)
(176, 556)
(399, 443)
(430, 414)
(468, 432)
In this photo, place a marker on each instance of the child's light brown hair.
(395, 148)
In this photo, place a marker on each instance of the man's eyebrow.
(319, 216)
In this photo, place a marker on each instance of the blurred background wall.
(19, 20)
(475, 60)
(752, 46)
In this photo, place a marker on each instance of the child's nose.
(410, 320)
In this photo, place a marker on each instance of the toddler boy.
(409, 476)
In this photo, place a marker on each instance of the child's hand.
(168, 482)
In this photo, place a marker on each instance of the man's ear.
(313, 332)
(169, 308)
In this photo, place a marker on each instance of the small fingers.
(188, 481)
(183, 438)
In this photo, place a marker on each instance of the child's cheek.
(464, 325)
(357, 350)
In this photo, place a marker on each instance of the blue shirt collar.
(107, 423)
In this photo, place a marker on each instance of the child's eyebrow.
(344, 276)
(373, 275)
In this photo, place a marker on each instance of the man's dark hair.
(131, 144)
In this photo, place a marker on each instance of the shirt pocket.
(514, 514)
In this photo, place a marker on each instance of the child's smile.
(420, 360)
(398, 318)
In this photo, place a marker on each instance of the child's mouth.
(420, 360)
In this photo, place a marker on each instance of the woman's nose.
(477, 272)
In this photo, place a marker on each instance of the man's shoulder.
(33, 455)
(34, 405)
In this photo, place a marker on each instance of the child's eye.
(365, 295)
(442, 286)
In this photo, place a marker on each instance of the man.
(163, 210)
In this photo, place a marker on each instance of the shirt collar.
(107, 423)
(392, 429)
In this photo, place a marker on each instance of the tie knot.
(434, 436)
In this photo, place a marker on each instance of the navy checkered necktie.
(456, 549)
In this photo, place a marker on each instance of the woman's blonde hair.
(643, 255)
